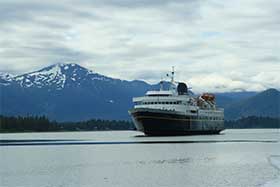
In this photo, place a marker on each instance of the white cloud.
(214, 45)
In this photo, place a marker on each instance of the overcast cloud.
(214, 45)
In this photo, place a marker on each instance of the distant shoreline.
(11, 132)
(33, 124)
(1, 132)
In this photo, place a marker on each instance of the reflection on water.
(168, 161)
(236, 158)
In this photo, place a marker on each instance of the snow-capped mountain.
(68, 92)
(5, 78)
(58, 76)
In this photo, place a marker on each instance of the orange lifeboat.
(208, 97)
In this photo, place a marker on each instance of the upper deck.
(159, 93)
(161, 98)
(178, 98)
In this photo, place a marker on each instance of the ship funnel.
(182, 88)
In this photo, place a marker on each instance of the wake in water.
(275, 162)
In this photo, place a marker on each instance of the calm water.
(237, 158)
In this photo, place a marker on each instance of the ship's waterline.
(156, 122)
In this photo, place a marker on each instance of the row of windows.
(163, 103)
(210, 113)
(211, 118)
(158, 95)
(205, 118)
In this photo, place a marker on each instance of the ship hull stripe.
(139, 117)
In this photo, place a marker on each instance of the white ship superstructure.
(176, 111)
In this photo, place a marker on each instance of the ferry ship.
(176, 111)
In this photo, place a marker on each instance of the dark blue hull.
(161, 123)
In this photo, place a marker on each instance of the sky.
(214, 45)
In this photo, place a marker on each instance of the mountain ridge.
(70, 92)
(265, 103)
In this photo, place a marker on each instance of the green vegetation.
(42, 124)
(253, 122)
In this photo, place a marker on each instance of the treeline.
(253, 122)
(43, 124)
(96, 125)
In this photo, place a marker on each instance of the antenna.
(172, 85)
(172, 75)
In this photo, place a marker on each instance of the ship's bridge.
(159, 93)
